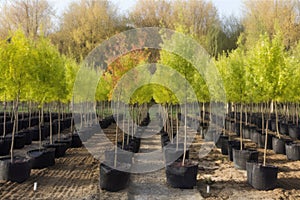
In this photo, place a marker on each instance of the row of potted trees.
(17, 169)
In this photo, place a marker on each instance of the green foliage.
(183, 63)
(49, 82)
(260, 74)
(292, 89)
(104, 87)
(34, 70)
(267, 65)
(232, 69)
(72, 69)
(16, 62)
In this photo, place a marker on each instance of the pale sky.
(225, 7)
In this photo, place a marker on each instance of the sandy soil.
(230, 183)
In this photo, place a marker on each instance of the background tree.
(263, 16)
(149, 13)
(84, 25)
(34, 17)
(200, 19)
(17, 59)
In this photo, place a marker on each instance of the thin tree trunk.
(72, 115)
(11, 114)
(266, 140)
(185, 125)
(58, 121)
(185, 135)
(132, 122)
(171, 118)
(262, 117)
(30, 108)
(15, 107)
(241, 129)
(4, 120)
(246, 117)
(51, 132)
(128, 128)
(177, 129)
(276, 120)
(297, 116)
(235, 109)
(40, 128)
(203, 110)
(117, 133)
(288, 112)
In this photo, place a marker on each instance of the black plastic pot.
(134, 145)
(234, 144)
(16, 171)
(67, 122)
(278, 145)
(45, 130)
(106, 122)
(273, 125)
(227, 124)
(126, 147)
(261, 177)
(246, 132)
(19, 141)
(35, 133)
(76, 141)
(237, 128)
(184, 177)
(283, 128)
(220, 140)
(165, 140)
(66, 141)
(292, 151)
(172, 155)
(60, 148)
(28, 136)
(41, 158)
(5, 144)
(240, 157)
(249, 167)
(294, 132)
(258, 121)
(8, 127)
(122, 156)
(113, 180)
(261, 141)
(54, 127)
(34, 121)
(255, 136)
(232, 126)
(224, 147)
(22, 124)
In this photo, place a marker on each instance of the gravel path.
(153, 185)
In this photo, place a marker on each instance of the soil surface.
(76, 176)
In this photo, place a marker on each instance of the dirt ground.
(76, 176)
(230, 183)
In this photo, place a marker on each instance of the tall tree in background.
(200, 19)
(85, 25)
(34, 17)
(152, 13)
(264, 16)
(224, 36)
